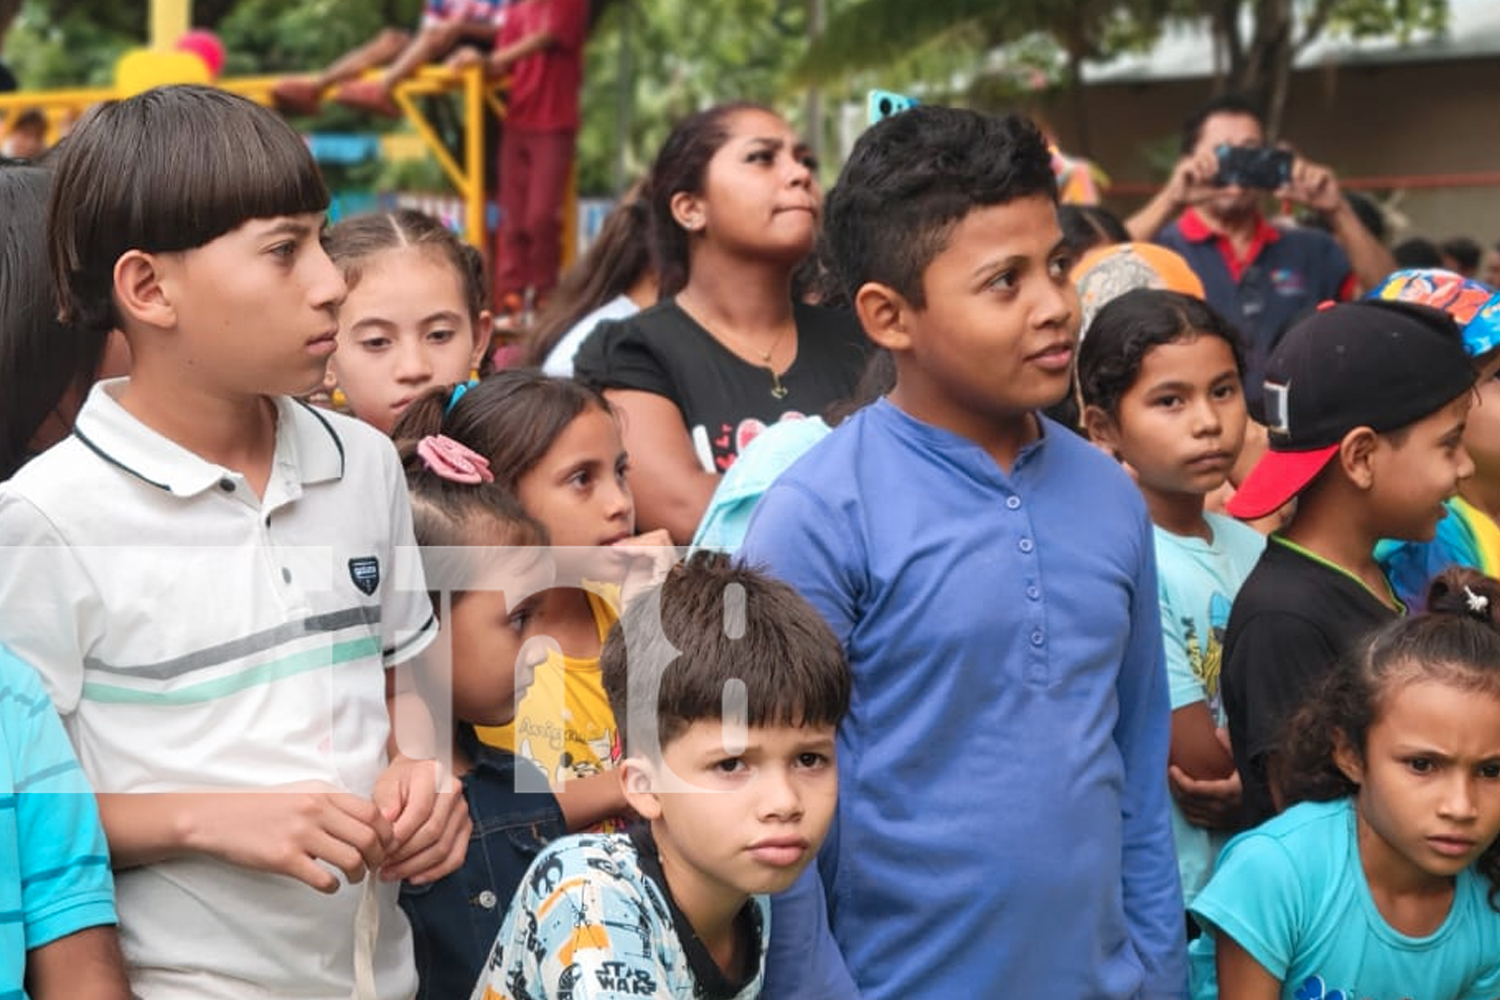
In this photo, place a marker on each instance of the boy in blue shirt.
(204, 574)
(992, 578)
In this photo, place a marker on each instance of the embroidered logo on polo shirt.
(365, 572)
(1288, 282)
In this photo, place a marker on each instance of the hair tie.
(1479, 604)
(458, 393)
(452, 461)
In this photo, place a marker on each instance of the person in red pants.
(541, 46)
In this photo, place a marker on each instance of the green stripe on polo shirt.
(266, 673)
(244, 646)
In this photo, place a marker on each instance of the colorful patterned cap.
(1107, 272)
(1474, 306)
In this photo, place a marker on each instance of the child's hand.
(650, 557)
(290, 832)
(431, 827)
(1211, 804)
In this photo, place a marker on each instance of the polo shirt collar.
(307, 445)
(1196, 230)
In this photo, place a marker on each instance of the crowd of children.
(402, 702)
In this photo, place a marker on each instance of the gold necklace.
(778, 390)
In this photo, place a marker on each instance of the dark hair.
(876, 379)
(681, 166)
(616, 260)
(30, 119)
(669, 661)
(511, 417)
(1454, 643)
(351, 243)
(1370, 215)
(1087, 226)
(1464, 251)
(913, 177)
(1221, 104)
(1126, 329)
(469, 521)
(1415, 251)
(40, 357)
(167, 170)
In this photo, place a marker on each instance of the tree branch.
(1316, 22)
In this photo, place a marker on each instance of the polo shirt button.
(1014, 503)
(1034, 593)
(286, 574)
(488, 899)
(1025, 545)
(1036, 638)
(226, 484)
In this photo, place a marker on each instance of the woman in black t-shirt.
(735, 207)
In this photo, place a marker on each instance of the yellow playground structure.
(160, 64)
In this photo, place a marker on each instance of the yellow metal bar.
(474, 91)
(170, 20)
(434, 141)
(478, 95)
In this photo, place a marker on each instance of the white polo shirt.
(193, 635)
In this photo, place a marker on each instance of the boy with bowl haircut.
(204, 572)
(727, 687)
(1006, 749)
(1365, 403)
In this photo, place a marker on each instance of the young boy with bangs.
(727, 687)
(1366, 404)
(1003, 827)
(203, 572)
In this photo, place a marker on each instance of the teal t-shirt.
(1197, 580)
(55, 878)
(1292, 893)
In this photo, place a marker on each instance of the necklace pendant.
(778, 391)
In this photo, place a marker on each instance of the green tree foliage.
(70, 43)
(1259, 38)
(680, 56)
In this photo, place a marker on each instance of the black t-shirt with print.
(725, 401)
(1290, 622)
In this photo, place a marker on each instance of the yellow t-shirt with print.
(564, 724)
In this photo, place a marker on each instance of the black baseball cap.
(1371, 363)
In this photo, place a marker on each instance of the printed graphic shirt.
(1198, 581)
(564, 724)
(1293, 894)
(725, 400)
(594, 920)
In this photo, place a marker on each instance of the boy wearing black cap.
(1365, 403)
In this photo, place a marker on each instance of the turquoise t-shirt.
(1292, 893)
(54, 867)
(1198, 580)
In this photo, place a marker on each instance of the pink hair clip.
(453, 461)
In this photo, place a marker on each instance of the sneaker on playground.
(298, 96)
(368, 95)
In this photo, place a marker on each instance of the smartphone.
(1262, 167)
(883, 104)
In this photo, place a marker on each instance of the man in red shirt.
(541, 46)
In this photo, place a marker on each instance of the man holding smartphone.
(1259, 275)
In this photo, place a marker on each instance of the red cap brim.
(1276, 478)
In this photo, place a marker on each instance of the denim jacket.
(455, 919)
